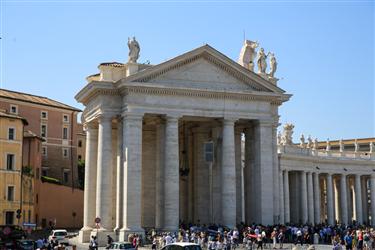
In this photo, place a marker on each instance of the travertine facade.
(146, 127)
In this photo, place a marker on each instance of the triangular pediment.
(204, 68)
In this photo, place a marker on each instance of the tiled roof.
(13, 116)
(9, 94)
(29, 133)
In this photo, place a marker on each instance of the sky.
(324, 49)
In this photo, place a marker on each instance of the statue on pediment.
(371, 147)
(302, 141)
(287, 135)
(262, 63)
(247, 54)
(316, 144)
(134, 50)
(356, 146)
(273, 64)
(341, 144)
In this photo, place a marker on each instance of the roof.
(13, 116)
(41, 100)
(113, 64)
(30, 134)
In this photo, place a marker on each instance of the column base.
(101, 236)
(125, 232)
(84, 234)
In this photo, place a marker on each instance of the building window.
(44, 172)
(65, 133)
(37, 173)
(29, 216)
(80, 144)
(10, 193)
(44, 115)
(65, 153)
(11, 134)
(66, 177)
(13, 109)
(10, 161)
(65, 118)
(79, 157)
(44, 151)
(9, 218)
(43, 130)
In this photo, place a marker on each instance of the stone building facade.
(56, 123)
(147, 131)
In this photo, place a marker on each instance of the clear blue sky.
(325, 49)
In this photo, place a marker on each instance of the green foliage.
(81, 173)
(50, 180)
(27, 170)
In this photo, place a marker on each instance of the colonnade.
(315, 197)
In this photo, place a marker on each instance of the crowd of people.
(215, 237)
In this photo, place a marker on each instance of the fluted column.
(372, 186)
(330, 208)
(228, 175)
(317, 198)
(89, 199)
(281, 206)
(104, 173)
(358, 199)
(364, 200)
(286, 197)
(119, 176)
(304, 197)
(132, 175)
(310, 197)
(249, 179)
(238, 175)
(159, 172)
(171, 175)
(344, 200)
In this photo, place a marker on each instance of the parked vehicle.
(182, 246)
(59, 235)
(122, 245)
(25, 245)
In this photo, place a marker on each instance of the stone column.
(358, 199)
(104, 175)
(228, 175)
(171, 175)
(304, 197)
(119, 176)
(265, 173)
(238, 175)
(159, 187)
(281, 194)
(372, 186)
(310, 197)
(317, 198)
(330, 208)
(286, 197)
(344, 200)
(249, 176)
(90, 182)
(132, 175)
(364, 200)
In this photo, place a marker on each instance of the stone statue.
(328, 147)
(287, 134)
(279, 138)
(262, 63)
(247, 54)
(316, 144)
(302, 141)
(134, 50)
(273, 64)
(309, 142)
(371, 147)
(356, 146)
(341, 144)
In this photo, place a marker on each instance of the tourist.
(348, 241)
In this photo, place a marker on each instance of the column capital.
(90, 126)
(229, 121)
(104, 117)
(132, 116)
(170, 118)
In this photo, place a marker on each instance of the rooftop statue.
(328, 147)
(262, 63)
(341, 144)
(287, 135)
(309, 142)
(316, 144)
(371, 147)
(356, 146)
(302, 141)
(134, 50)
(247, 54)
(273, 64)
(279, 139)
